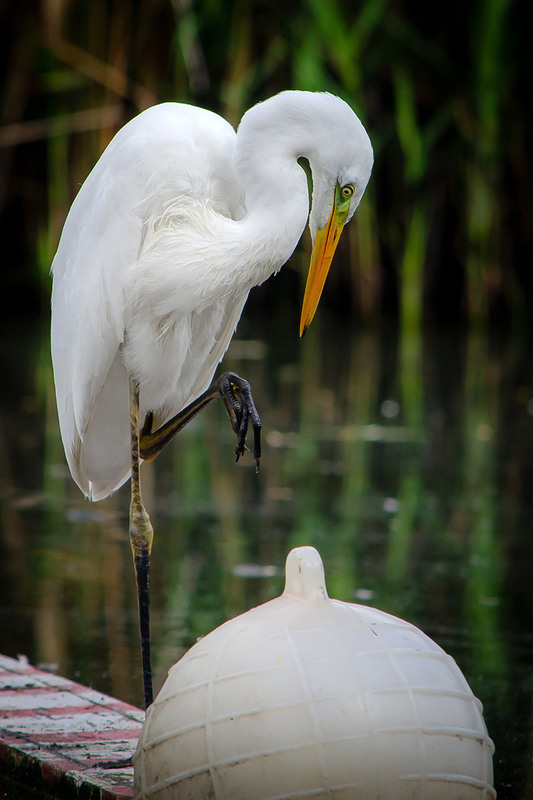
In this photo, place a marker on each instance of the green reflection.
(404, 461)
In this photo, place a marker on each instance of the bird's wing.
(153, 160)
(87, 305)
(224, 317)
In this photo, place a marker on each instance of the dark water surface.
(407, 462)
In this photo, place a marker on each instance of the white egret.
(178, 220)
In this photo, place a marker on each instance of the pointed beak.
(326, 242)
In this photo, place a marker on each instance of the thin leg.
(141, 537)
(237, 397)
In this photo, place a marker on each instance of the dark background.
(444, 93)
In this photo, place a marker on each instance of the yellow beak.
(326, 242)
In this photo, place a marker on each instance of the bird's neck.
(276, 196)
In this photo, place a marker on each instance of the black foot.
(237, 396)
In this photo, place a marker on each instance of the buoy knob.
(304, 574)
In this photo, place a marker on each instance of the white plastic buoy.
(307, 697)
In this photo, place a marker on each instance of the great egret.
(178, 220)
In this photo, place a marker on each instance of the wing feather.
(168, 152)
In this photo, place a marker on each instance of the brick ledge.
(54, 733)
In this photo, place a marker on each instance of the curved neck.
(270, 139)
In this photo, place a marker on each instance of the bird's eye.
(347, 191)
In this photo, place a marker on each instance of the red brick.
(54, 733)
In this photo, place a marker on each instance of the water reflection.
(407, 462)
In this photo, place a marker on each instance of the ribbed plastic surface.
(307, 697)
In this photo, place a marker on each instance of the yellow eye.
(347, 191)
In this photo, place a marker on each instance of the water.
(407, 462)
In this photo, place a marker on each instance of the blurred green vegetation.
(444, 232)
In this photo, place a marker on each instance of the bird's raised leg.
(240, 406)
(141, 536)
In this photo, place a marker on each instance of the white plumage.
(178, 220)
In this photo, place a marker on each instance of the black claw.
(241, 410)
(240, 407)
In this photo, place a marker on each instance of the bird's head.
(341, 163)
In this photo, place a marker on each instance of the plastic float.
(308, 697)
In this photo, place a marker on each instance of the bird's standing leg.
(240, 406)
(141, 536)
